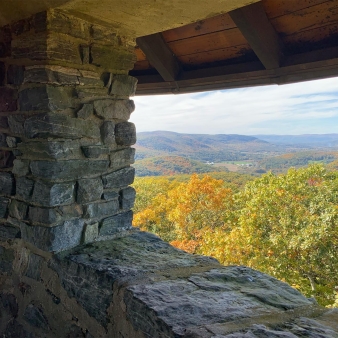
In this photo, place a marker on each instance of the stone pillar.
(65, 141)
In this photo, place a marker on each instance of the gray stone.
(6, 259)
(54, 239)
(115, 224)
(34, 316)
(53, 75)
(127, 198)
(119, 179)
(18, 209)
(125, 134)
(57, 125)
(46, 98)
(122, 158)
(34, 266)
(15, 75)
(3, 142)
(24, 188)
(3, 122)
(21, 168)
(110, 195)
(16, 124)
(86, 111)
(7, 185)
(114, 109)
(8, 231)
(108, 133)
(94, 151)
(51, 149)
(53, 194)
(91, 233)
(69, 170)
(8, 99)
(100, 210)
(123, 85)
(89, 190)
(11, 141)
(53, 216)
(6, 159)
(3, 206)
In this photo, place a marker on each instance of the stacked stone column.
(65, 141)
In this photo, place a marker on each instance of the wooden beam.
(160, 56)
(297, 68)
(255, 26)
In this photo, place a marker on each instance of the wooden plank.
(215, 55)
(139, 54)
(307, 19)
(142, 65)
(160, 56)
(207, 42)
(276, 8)
(258, 31)
(210, 25)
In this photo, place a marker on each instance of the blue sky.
(301, 108)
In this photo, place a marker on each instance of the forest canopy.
(284, 225)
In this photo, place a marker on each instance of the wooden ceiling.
(269, 42)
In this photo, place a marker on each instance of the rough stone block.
(6, 159)
(24, 188)
(123, 85)
(53, 194)
(34, 316)
(119, 179)
(125, 134)
(15, 75)
(3, 206)
(110, 195)
(110, 57)
(46, 98)
(55, 75)
(16, 124)
(86, 111)
(5, 41)
(68, 170)
(50, 149)
(11, 141)
(89, 190)
(122, 158)
(52, 216)
(3, 142)
(8, 231)
(114, 109)
(34, 266)
(100, 210)
(94, 151)
(127, 199)
(8, 99)
(2, 73)
(18, 210)
(108, 133)
(6, 259)
(54, 239)
(3, 122)
(91, 233)
(115, 224)
(21, 168)
(57, 125)
(7, 184)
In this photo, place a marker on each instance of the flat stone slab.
(170, 293)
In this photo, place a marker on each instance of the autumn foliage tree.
(284, 225)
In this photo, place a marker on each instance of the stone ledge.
(169, 293)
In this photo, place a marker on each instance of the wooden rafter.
(160, 56)
(259, 32)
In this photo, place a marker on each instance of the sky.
(302, 108)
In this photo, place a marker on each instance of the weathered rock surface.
(122, 158)
(89, 190)
(169, 293)
(114, 109)
(125, 134)
(118, 179)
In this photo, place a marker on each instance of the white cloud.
(308, 107)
